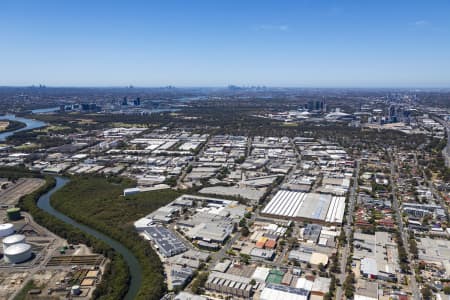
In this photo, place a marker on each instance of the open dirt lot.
(12, 192)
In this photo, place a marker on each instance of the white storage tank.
(17, 253)
(6, 229)
(12, 240)
(75, 290)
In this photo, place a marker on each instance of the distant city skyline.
(217, 43)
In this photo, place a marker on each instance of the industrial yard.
(11, 191)
(34, 256)
(276, 250)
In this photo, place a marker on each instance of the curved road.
(133, 264)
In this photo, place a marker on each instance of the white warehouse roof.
(314, 206)
(261, 274)
(279, 292)
(303, 283)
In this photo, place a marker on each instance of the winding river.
(30, 124)
(133, 264)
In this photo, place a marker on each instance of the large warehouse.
(281, 292)
(314, 207)
(167, 242)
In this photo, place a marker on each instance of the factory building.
(260, 274)
(234, 285)
(208, 227)
(304, 255)
(311, 233)
(167, 243)
(311, 207)
(378, 255)
(189, 296)
(131, 191)
(436, 251)
(180, 275)
(321, 286)
(265, 254)
(282, 292)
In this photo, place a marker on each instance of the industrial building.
(165, 214)
(260, 274)
(321, 286)
(214, 220)
(305, 255)
(131, 191)
(265, 254)
(435, 250)
(304, 284)
(313, 207)
(378, 255)
(189, 296)
(225, 283)
(180, 275)
(222, 266)
(191, 258)
(167, 243)
(311, 233)
(282, 292)
(366, 290)
(208, 227)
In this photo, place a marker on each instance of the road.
(403, 232)
(446, 151)
(180, 185)
(47, 252)
(433, 190)
(348, 230)
(222, 252)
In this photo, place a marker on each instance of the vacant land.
(12, 191)
(9, 125)
(3, 125)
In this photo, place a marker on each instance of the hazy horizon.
(316, 44)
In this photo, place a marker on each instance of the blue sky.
(358, 43)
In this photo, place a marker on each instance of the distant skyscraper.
(91, 107)
(125, 101)
(317, 105)
(393, 113)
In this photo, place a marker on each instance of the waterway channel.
(30, 124)
(133, 264)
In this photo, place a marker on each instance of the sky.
(315, 43)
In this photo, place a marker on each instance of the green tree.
(427, 294)
(245, 231)
(447, 290)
